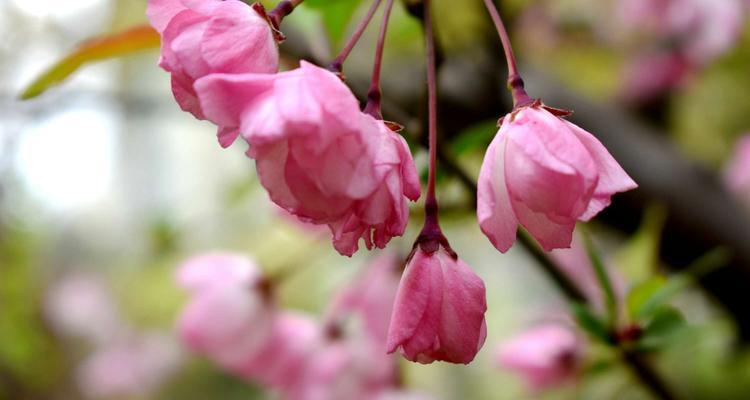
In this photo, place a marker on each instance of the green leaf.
(602, 277)
(336, 16)
(658, 298)
(119, 44)
(665, 323)
(590, 322)
(641, 294)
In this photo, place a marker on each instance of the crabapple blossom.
(213, 36)
(318, 156)
(544, 356)
(345, 368)
(282, 358)
(439, 310)
(229, 316)
(544, 173)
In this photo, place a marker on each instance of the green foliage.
(603, 278)
(336, 16)
(28, 354)
(660, 329)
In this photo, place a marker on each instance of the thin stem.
(374, 94)
(431, 101)
(515, 83)
(284, 8)
(337, 64)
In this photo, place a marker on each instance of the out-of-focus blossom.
(370, 298)
(544, 356)
(212, 36)
(649, 75)
(701, 29)
(80, 305)
(576, 265)
(737, 172)
(317, 155)
(283, 357)
(130, 366)
(229, 316)
(439, 310)
(345, 369)
(544, 173)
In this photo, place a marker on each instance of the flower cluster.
(326, 161)
(232, 319)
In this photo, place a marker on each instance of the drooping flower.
(317, 155)
(211, 36)
(229, 316)
(439, 310)
(544, 173)
(544, 356)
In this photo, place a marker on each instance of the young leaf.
(665, 323)
(110, 46)
(640, 295)
(639, 258)
(708, 262)
(603, 278)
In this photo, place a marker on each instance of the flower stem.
(337, 64)
(284, 8)
(515, 83)
(374, 94)
(431, 206)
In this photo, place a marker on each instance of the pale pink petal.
(494, 210)
(160, 12)
(612, 178)
(550, 234)
(463, 328)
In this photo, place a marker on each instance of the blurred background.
(106, 187)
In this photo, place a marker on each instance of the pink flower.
(229, 316)
(200, 37)
(439, 310)
(130, 367)
(80, 305)
(345, 369)
(544, 173)
(701, 29)
(737, 172)
(282, 359)
(544, 356)
(649, 75)
(317, 155)
(370, 298)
